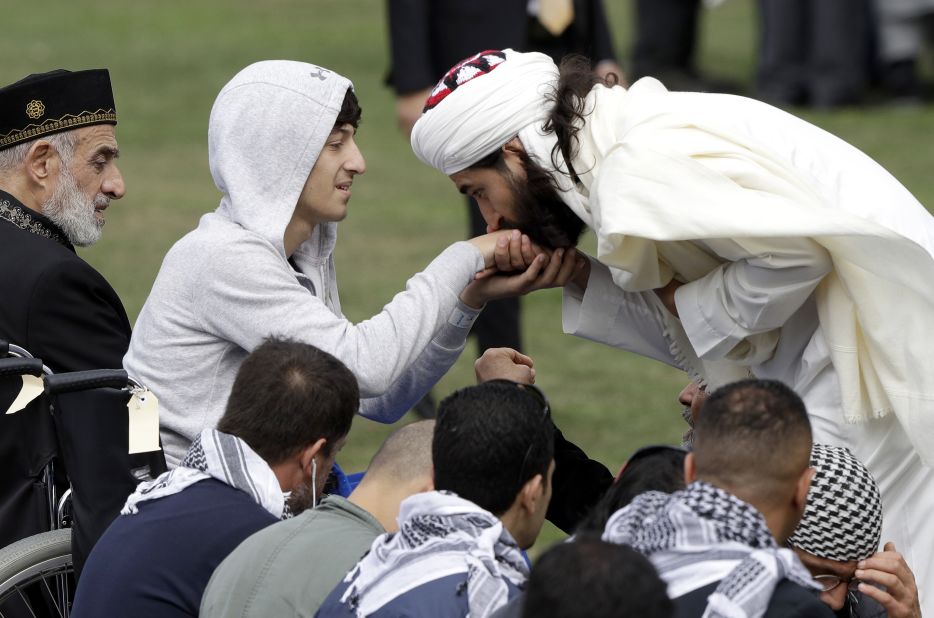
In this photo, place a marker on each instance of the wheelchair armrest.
(14, 366)
(85, 380)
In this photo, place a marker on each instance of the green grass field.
(168, 59)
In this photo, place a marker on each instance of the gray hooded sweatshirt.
(227, 285)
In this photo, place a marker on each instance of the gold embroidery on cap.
(35, 109)
(49, 125)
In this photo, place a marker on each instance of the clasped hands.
(514, 265)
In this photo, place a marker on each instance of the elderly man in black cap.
(58, 174)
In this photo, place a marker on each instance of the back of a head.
(843, 516)
(288, 395)
(404, 456)
(590, 578)
(656, 468)
(753, 439)
(489, 440)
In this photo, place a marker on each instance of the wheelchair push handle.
(15, 366)
(87, 380)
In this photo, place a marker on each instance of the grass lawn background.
(168, 59)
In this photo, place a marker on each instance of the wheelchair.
(67, 472)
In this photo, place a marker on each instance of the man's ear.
(40, 162)
(690, 472)
(309, 453)
(514, 146)
(532, 492)
(801, 490)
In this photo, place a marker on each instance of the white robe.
(804, 261)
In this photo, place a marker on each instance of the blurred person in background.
(814, 52)
(666, 42)
(904, 27)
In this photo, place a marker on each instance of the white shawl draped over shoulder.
(662, 169)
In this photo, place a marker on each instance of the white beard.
(73, 212)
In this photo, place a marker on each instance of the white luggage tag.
(32, 388)
(143, 409)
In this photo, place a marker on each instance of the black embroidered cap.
(60, 100)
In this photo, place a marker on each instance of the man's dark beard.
(542, 213)
(301, 498)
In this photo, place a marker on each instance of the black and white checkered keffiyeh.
(220, 456)
(843, 516)
(439, 533)
(680, 532)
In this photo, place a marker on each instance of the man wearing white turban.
(732, 239)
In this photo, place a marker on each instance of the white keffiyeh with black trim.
(220, 456)
(438, 534)
(703, 526)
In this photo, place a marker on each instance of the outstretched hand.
(505, 251)
(504, 364)
(544, 272)
(889, 569)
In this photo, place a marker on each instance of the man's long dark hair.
(575, 81)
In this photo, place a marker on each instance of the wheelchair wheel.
(36, 576)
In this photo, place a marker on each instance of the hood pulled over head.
(267, 128)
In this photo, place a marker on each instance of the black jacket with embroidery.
(63, 311)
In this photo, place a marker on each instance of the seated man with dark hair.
(457, 552)
(651, 468)
(288, 415)
(718, 543)
(270, 574)
(590, 578)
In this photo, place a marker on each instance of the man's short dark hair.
(752, 434)
(590, 578)
(351, 112)
(288, 395)
(489, 440)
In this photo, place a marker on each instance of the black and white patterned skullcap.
(843, 517)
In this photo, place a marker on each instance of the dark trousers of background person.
(666, 39)
(666, 35)
(813, 52)
(498, 325)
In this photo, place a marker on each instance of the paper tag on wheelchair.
(32, 388)
(143, 407)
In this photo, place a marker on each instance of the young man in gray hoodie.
(282, 152)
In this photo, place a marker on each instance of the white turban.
(482, 103)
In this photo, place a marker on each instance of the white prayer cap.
(480, 104)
